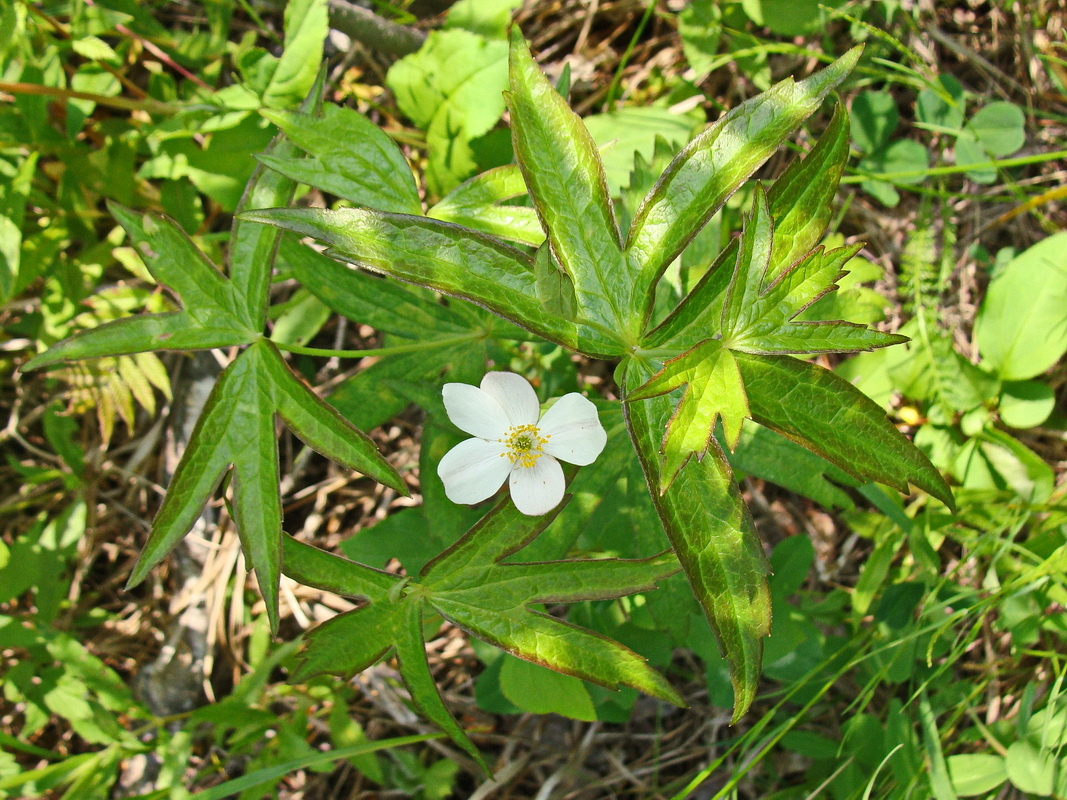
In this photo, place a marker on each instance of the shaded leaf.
(237, 428)
(829, 416)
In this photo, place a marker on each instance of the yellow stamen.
(524, 443)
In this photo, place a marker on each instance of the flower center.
(524, 443)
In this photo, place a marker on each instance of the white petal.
(515, 394)
(573, 428)
(473, 470)
(538, 489)
(474, 411)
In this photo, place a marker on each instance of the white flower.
(512, 440)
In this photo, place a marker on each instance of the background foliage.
(914, 653)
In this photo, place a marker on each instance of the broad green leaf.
(349, 156)
(712, 166)
(875, 118)
(713, 391)
(540, 691)
(562, 168)
(237, 428)
(452, 88)
(974, 774)
(306, 26)
(450, 259)
(712, 534)
(490, 18)
(214, 315)
(829, 416)
(478, 203)
(801, 206)
(1021, 327)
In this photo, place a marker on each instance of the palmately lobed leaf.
(801, 207)
(237, 428)
(716, 163)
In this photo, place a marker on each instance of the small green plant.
(589, 288)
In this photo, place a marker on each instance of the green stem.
(916, 173)
(125, 103)
(613, 90)
(414, 347)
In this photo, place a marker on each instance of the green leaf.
(541, 691)
(801, 206)
(450, 259)
(252, 247)
(349, 156)
(715, 164)
(214, 315)
(829, 416)
(562, 168)
(306, 26)
(713, 390)
(974, 774)
(712, 534)
(623, 133)
(368, 299)
(1026, 404)
(1021, 326)
(875, 118)
(999, 128)
(468, 585)
(237, 428)
(452, 88)
(490, 18)
(478, 203)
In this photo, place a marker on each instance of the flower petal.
(515, 395)
(573, 428)
(473, 470)
(538, 489)
(474, 411)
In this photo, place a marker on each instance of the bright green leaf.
(306, 26)
(974, 774)
(716, 163)
(453, 89)
(1021, 326)
(713, 391)
(562, 168)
